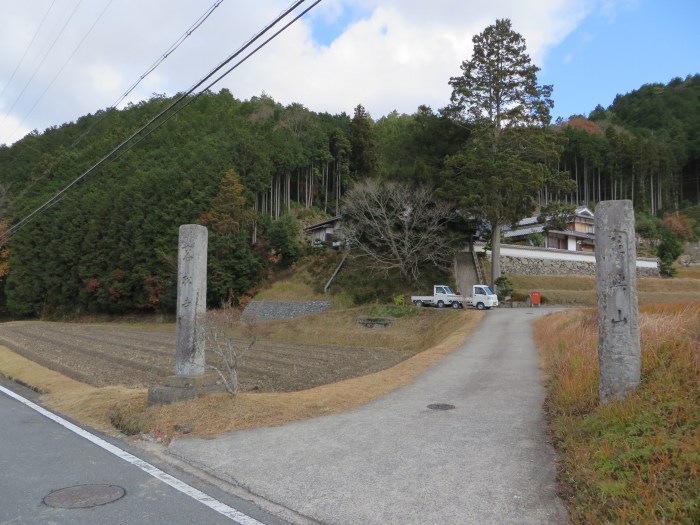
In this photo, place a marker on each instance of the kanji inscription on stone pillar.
(191, 300)
(619, 349)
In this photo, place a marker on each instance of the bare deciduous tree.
(226, 349)
(396, 227)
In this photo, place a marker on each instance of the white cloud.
(403, 54)
(105, 80)
(10, 127)
(395, 54)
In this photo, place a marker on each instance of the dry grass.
(221, 413)
(303, 282)
(290, 290)
(580, 290)
(417, 330)
(688, 272)
(211, 415)
(89, 405)
(636, 461)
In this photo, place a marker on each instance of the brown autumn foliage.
(583, 124)
(679, 224)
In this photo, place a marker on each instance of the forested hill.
(110, 243)
(239, 167)
(656, 127)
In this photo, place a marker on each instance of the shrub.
(668, 251)
(647, 226)
(679, 225)
(283, 236)
(504, 287)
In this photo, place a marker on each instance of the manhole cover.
(84, 496)
(441, 406)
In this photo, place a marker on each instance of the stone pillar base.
(185, 388)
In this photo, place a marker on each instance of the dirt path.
(136, 356)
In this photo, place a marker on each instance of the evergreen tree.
(510, 155)
(364, 158)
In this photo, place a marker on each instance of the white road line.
(183, 487)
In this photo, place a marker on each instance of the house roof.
(529, 222)
(322, 225)
(583, 211)
(578, 235)
(538, 228)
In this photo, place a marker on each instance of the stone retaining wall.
(278, 310)
(532, 266)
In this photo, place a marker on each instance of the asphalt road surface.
(39, 458)
(483, 459)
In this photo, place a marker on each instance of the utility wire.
(157, 63)
(75, 50)
(209, 86)
(41, 63)
(172, 48)
(21, 60)
(153, 67)
(50, 202)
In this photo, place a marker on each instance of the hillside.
(254, 172)
(110, 244)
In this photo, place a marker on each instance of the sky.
(61, 59)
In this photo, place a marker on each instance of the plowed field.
(138, 357)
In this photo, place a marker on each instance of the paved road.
(39, 456)
(395, 461)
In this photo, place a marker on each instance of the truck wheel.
(418, 303)
(440, 304)
(480, 306)
(456, 305)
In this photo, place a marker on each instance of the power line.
(213, 83)
(152, 68)
(75, 50)
(21, 60)
(48, 51)
(172, 48)
(110, 156)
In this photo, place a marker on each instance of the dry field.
(138, 356)
(96, 373)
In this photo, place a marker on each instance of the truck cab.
(482, 297)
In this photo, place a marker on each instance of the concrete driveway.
(397, 461)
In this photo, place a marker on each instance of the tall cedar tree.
(364, 158)
(504, 165)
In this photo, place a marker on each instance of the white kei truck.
(482, 297)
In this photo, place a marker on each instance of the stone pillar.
(619, 349)
(190, 380)
(191, 300)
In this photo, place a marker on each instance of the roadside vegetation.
(423, 336)
(638, 460)
(573, 290)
